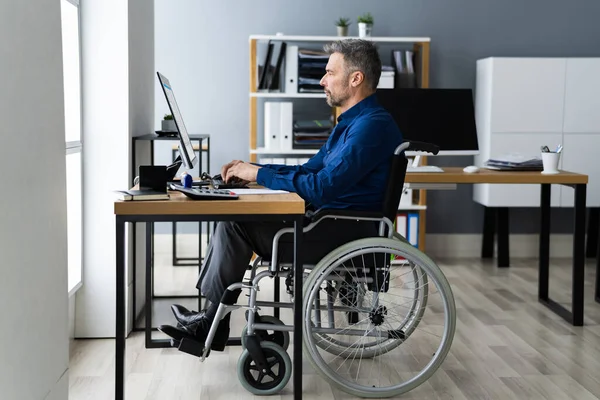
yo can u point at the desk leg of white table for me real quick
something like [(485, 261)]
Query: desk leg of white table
[(298, 317), (120, 312)]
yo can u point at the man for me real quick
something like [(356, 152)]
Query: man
[(349, 172)]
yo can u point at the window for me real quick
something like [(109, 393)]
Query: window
[(73, 146)]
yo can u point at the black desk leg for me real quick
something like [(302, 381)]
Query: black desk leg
[(544, 254), (592, 233), (208, 154), (598, 272), (503, 248), (149, 285), (575, 316), (489, 231), (120, 313), (298, 317), (579, 254)]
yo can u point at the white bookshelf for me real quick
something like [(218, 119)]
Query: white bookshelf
[(420, 46)]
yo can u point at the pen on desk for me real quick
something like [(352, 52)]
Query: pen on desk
[(559, 148), (545, 149)]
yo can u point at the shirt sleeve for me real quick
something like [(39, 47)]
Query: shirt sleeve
[(314, 164), (365, 142)]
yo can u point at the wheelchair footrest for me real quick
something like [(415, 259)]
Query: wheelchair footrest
[(191, 347)]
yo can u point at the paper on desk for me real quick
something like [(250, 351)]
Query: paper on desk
[(258, 191)]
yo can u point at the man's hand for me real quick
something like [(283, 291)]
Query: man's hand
[(226, 167), (244, 171)]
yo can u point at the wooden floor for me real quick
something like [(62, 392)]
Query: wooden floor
[(507, 345)]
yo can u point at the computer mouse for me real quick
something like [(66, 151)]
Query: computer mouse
[(471, 169)]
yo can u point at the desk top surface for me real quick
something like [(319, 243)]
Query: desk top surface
[(457, 175), (179, 204)]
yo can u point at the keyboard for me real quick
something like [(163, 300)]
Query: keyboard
[(424, 168), (205, 193), (218, 183)]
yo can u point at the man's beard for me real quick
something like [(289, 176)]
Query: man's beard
[(337, 101)]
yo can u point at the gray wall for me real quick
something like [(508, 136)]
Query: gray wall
[(202, 46), (33, 209)]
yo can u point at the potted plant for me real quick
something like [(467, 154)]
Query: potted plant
[(168, 124), (342, 26), (365, 25)]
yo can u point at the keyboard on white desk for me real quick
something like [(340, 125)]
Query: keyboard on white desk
[(424, 168)]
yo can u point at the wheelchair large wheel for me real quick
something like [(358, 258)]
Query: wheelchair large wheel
[(352, 295), (405, 325)]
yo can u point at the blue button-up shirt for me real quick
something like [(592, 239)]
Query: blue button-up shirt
[(351, 170)]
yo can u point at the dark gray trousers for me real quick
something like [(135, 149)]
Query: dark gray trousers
[(232, 244)]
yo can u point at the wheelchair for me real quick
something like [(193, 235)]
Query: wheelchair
[(378, 314)]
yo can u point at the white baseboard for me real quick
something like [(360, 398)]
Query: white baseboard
[(520, 245)]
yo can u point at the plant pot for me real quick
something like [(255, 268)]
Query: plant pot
[(168, 125), (342, 31), (364, 29)]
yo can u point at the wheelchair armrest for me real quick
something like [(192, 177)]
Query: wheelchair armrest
[(332, 213), (311, 220)]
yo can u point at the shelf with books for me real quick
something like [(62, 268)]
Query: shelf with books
[(275, 86)]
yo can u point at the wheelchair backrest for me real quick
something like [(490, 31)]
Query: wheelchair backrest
[(397, 176), (395, 185)]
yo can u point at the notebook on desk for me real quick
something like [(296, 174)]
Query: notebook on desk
[(142, 195)]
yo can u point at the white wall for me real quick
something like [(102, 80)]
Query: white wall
[(33, 221), (118, 62)]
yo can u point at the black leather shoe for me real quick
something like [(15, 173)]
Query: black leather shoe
[(187, 320), (200, 333)]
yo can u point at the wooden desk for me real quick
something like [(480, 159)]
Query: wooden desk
[(457, 175), (179, 204), (579, 182), (289, 207)]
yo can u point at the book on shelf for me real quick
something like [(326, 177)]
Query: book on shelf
[(141, 195)]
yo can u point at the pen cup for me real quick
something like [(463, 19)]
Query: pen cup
[(550, 162)]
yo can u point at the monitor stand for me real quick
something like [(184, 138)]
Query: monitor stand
[(415, 167)]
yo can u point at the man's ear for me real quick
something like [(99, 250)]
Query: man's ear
[(356, 78)]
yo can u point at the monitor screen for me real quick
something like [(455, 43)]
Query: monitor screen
[(186, 149), (445, 117)]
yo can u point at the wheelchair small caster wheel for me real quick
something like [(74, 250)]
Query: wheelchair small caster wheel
[(266, 382), (282, 338)]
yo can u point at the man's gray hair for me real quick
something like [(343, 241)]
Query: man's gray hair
[(359, 55)]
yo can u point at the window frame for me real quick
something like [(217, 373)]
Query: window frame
[(73, 147)]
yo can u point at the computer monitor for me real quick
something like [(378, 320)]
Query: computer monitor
[(186, 149), (445, 117)]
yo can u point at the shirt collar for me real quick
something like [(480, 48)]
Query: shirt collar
[(355, 110)]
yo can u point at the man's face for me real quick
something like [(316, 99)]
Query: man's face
[(336, 82)]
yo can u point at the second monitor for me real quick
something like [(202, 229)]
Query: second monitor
[(445, 117)]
